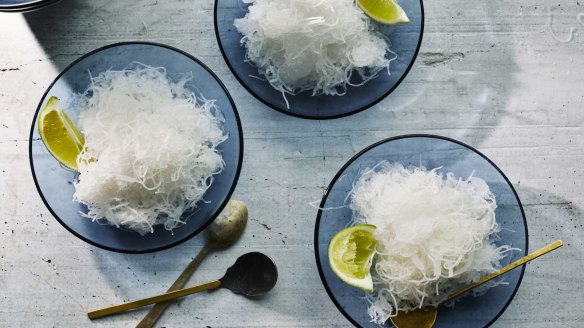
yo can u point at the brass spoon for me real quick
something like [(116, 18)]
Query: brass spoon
[(253, 274), (425, 318), (222, 232)]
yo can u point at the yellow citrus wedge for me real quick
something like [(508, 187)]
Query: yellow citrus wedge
[(59, 135), (384, 11), (350, 255)]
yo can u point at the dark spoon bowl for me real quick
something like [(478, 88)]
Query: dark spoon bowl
[(253, 274)]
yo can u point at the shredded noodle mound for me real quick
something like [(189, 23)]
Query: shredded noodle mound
[(435, 234), (150, 148), (316, 45)]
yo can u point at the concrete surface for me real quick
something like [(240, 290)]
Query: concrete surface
[(504, 76)]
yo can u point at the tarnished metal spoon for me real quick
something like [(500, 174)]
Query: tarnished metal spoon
[(222, 232), (426, 317), (253, 274)]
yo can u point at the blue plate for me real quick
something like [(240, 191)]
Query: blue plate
[(23, 5), (431, 152), (55, 184), (405, 42)]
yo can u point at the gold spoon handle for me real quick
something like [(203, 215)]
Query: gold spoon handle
[(155, 313), (521, 261), (154, 299)]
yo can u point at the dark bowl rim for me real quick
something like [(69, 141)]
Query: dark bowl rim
[(325, 117), (211, 218), (26, 7), (350, 161)]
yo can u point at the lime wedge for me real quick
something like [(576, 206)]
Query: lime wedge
[(59, 134), (350, 255), (384, 11)]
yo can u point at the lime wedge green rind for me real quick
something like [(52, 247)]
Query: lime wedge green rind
[(60, 136), (350, 255), (386, 12)]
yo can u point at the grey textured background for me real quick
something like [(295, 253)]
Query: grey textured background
[(503, 76)]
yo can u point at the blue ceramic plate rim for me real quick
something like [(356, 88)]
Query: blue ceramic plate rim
[(211, 218), (29, 5), (324, 117), (359, 154)]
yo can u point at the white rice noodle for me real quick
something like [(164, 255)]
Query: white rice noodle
[(150, 148), (436, 234), (315, 45)]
